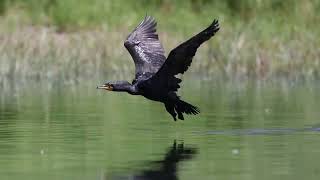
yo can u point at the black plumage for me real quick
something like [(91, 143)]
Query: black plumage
[(155, 74)]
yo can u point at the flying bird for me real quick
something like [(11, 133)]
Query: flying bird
[(155, 75)]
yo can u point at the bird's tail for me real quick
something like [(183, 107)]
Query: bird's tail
[(184, 107)]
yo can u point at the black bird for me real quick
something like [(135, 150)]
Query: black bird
[(155, 74)]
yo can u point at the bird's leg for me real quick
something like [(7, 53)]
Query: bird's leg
[(175, 99), (178, 110), (170, 109)]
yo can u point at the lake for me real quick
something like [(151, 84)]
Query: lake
[(251, 130)]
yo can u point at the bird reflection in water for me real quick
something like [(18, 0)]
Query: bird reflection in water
[(165, 169)]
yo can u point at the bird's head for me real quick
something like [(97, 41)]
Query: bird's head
[(115, 86), (107, 86)]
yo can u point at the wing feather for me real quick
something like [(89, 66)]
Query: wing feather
[(180, 59), (145, 48)]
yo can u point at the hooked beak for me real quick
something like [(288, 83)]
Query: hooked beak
[(105, 87)]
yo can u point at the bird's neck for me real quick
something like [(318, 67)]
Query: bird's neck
[(131, 89)]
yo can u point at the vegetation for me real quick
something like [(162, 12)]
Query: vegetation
[(75, 39)]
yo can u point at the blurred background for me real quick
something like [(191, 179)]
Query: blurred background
[(256, 83), (75, 39)]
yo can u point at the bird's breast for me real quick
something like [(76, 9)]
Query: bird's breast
[(155, 94)]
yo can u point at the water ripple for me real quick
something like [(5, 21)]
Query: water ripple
[(257, 131)]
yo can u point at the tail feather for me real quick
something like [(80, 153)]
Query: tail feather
[(184, 107), (178, 107)]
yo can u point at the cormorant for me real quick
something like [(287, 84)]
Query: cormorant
[(154, 73)]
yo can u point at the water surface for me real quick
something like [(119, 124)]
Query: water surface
[(245, 131)]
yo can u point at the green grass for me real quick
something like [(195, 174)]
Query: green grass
[(75, 39), (75, 14)]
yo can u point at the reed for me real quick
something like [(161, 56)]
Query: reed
[(71, 40)]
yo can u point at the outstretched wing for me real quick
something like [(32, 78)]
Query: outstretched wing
[(145, 48), (180, 59)]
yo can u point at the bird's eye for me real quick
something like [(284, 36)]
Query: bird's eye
[(109, 86)]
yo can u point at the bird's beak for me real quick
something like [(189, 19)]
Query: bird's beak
[(105, 87)]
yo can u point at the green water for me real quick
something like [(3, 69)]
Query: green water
[(245, 131)]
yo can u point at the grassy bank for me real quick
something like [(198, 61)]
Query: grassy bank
[(73, 40)]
